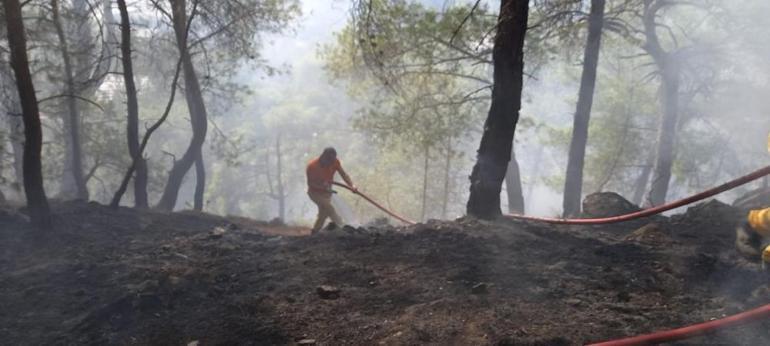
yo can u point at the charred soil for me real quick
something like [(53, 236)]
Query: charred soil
[(140, 277)]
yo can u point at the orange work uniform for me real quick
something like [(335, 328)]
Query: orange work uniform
[(319, 182)]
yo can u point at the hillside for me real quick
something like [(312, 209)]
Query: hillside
[(128, 277)]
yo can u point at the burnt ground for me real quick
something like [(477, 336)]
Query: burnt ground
[(127, 277)]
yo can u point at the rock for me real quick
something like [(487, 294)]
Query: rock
[(606, 204), (712, 213), (378, 222), (480, 288), (328, 292), (193, 343), (306, 342), (217, 233), (756, 199), (651, 233), (573, 301)]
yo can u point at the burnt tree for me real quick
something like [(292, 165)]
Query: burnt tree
[(573, 184), (195, 105), (669, 69), (200, 183), (132, 105), (33, 134), (494, 152)]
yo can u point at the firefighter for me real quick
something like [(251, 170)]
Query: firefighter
[(320, 175), (752, 238)]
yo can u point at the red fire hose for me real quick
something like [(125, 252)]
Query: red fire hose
[(662, 336), (694, 330), (656, 210), (368, 199)]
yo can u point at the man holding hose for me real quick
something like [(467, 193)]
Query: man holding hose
[(320, 175), (752, 238)]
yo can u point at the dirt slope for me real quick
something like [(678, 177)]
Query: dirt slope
[(128, 277)]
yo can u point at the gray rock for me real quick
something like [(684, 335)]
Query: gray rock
[(328, 292)]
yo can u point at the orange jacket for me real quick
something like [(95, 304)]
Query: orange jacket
[(319, 178)]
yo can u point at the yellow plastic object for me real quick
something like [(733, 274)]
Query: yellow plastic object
[(766, 257), (760, 221)]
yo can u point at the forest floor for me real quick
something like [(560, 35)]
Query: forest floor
[(127, 277)]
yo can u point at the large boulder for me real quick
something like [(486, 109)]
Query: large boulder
[(755, 199), (607, 204)]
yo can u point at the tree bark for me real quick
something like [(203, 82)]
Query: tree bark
[(280, 187), (669, 69), (494, 152), (115, 203), (640, 186), (132, 105), (195, 105), (573, 184), (33, 173), (425, 168), (15, 123), (513, 186), (200, 183), (72, 128), (664, 157), (447, 171)]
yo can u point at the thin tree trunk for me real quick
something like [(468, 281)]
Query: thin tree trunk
[(132, 105), (664, 153), (200, 183), (73, 119), (33, 134), (640, 186), (115, 203), (513, 186), (195, 105), (494, 152), (573, 184), (279, 173), (17, 144), (2, 160), (15, 123), (447, 171), (668, 65), (425, 168)]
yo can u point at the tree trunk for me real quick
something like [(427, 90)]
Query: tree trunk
[(72, 123), (15, 123), (668, 65), (664, 153), (573, 184), (279, 174), (2, 160), (115, 203), (200, 183), (33, 134), (195, 105), (425, 167), (494, 152), (447, 171), (132, 105), (640, 186), (513, 186)]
